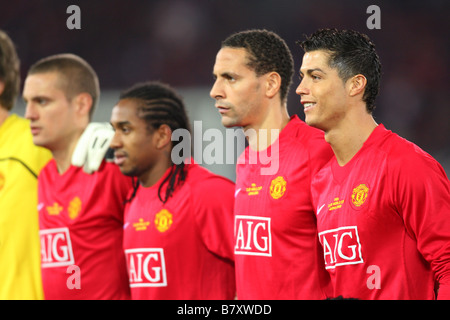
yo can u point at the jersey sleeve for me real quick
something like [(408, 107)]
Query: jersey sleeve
[(213, 205), (421, 193)]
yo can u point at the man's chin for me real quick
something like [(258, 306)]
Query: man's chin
[(229, 123), (128, 172)]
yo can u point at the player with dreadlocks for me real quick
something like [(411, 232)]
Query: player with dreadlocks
[(178, 225)]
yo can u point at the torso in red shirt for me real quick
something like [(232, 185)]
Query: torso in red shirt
[(182, 249), (384, 221), (276, 248), (81, 229)]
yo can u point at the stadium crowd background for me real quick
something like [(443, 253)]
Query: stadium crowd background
[(176, 41)]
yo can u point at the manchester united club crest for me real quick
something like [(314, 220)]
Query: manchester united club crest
[(74, 208), (278, 187), (359, 195), (163, 220)]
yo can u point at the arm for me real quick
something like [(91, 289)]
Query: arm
[(422, 196), (214, 205)]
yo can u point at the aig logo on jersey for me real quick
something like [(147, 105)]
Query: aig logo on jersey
[(341, 246), (146, 267), (252, 236), (56, 248)]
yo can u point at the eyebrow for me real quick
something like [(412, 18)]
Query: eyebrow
[(121, 123), (309, 71), (225, 74), (35, 98)]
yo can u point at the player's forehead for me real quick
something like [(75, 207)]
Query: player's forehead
[(38, 84), (126, 111), (230, 59), (317, 59)]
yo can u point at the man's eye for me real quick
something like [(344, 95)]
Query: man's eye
[(230, 78)]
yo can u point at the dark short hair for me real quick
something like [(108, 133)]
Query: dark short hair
[(9, 71), (77, 76), (267, 52), (351, 53)]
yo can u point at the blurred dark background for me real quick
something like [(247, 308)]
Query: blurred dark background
[(176, 41)]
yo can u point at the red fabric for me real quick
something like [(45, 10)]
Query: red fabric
[(276, 245), (384, 221), (182, 249), (81, 225)]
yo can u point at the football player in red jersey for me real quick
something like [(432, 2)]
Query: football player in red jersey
[(80, 214), (383, 204), (277, 252), (178, 231)]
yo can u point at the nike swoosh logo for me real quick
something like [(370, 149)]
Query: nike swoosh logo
[(40, 206), (318, 210), (236, 192)]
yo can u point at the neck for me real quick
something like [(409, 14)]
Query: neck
[(349, 137), (152, 176), (63, 153), (260, 136)]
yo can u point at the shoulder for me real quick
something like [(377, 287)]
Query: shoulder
[(308, 144), (311, 139), (201, 179), (409, 169), (404, 155), (111, 170)]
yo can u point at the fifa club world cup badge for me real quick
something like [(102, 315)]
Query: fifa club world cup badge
[(359, 195), (278, 187)]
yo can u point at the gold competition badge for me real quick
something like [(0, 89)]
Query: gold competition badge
[(54, 210), (163, 220), (141, 225), (277, 187), (359, 195)]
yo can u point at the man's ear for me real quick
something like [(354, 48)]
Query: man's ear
[(163, 136), (357, 85), (273, 84), (83, 103)]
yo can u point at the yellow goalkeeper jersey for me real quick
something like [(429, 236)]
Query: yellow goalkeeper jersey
[(20, 163)]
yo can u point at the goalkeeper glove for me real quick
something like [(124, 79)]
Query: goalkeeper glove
[(92, 147)]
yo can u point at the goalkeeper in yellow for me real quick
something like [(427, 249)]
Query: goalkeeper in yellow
[(20, 163)]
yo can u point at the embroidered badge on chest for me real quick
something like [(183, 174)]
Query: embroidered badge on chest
[(359, 195), (163, 220), (278, 187), (74, 208)]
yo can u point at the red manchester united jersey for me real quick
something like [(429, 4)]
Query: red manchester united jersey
[(384, 221), (182, 249), (81, 229), (277, 252)]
